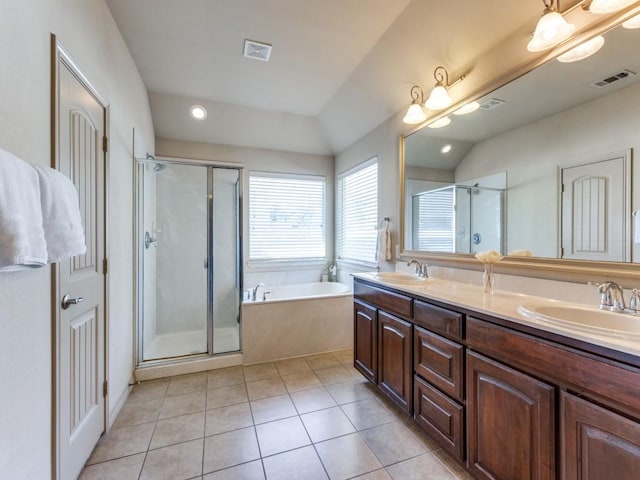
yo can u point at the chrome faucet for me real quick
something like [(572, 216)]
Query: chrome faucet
[(421, 268), (611, 296), (255, 291)]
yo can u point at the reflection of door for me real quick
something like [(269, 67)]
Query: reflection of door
[(595, 222), (79, 329)]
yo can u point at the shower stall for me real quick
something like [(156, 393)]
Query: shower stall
[(188, 238)]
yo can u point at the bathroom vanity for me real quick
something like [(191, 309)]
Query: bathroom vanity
[(508, 396)]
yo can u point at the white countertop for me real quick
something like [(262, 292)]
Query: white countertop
[(505, 305)]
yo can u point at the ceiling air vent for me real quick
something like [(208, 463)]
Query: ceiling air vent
[(605, 82), (257, 50), (491, 103)]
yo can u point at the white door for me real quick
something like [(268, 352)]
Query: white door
[(594, 217), (80, 329)]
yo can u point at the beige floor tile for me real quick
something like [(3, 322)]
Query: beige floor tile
[(452, 465), (404, 445), (301, 381), (346, 457), (224, 396), (345, 357), (230, 449), (148, 390), (246, 471), (302, 463), (292, 365), (175, 462), (281, 435), (326, 424), (375, 475), (311, 400), (183, 384), (178, 429), (225, 419), (260, 371), (329, 376), (270, 387), (272, 408), (225, 377), (120, 442), (323, 360), (428, 442), (138, 412), (126, 468), (368, 413), (351, 392), (183, 404), (424, 467)]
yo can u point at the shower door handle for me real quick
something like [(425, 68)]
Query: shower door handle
[(206, 263)]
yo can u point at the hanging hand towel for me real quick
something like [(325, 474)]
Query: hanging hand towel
[(60, 214), (22, 242), (383, 245)]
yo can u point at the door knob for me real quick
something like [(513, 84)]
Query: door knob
[(68, 301)]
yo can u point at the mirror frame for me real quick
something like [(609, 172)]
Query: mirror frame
[(538, 267)]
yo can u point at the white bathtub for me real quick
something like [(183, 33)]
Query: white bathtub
[(297, 320)]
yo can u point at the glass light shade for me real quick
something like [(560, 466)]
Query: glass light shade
[(583, 50), (414, 115), (633, 22), (608, 6), (438, 99), (441, 122), (552, 29), (467, 108)]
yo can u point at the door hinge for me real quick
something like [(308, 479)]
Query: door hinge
[(104, 266), (562, 189), (105, 388), (105, 144), (561, 252)]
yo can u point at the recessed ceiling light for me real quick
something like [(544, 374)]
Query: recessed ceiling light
[(441, 122), (446, 148), (198, 112)]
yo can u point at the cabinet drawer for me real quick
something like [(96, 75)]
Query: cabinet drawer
[(440, 361), (440, 417), (385, 300), (441, 320)]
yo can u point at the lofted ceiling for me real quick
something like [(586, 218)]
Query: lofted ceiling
[(338, 69)]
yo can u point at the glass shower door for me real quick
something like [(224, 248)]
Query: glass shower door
[(175, 260)]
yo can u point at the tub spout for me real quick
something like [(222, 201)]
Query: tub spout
[(255, 291)]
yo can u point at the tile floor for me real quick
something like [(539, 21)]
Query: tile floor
[(306, 418)]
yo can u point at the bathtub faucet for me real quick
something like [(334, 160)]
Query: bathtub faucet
[(255, 291)]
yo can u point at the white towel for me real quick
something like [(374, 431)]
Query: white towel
[(22, 242), (383, 245), (60, 214)]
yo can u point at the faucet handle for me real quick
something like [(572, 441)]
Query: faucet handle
[(634, 301), (605, 293)]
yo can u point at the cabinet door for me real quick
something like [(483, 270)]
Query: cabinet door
[(395, 360), (510, 422), (365, 357), (597, 443)]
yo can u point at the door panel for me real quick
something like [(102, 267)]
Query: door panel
[(80, 332)]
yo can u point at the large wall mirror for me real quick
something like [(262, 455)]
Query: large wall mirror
[(548, 164)]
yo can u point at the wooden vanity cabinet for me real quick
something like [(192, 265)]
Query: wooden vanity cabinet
[(395, 360), (365, 340), (510, 422), (597, 443)]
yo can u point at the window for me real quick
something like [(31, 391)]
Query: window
[(434, 216), (286, 217), (357, 213)]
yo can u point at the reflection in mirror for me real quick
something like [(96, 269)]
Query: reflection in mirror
[(560, 138)]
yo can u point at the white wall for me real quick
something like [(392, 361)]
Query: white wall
[(85, 28), (255, 159), (532, 155)]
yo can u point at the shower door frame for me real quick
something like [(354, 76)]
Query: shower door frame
[(139, 254)]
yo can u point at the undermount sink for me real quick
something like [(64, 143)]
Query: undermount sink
[(585, 319), (399, 277)]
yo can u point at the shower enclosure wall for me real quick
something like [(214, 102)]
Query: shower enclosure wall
[(188, 247)]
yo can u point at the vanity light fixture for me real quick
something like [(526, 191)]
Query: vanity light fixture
[(608, 6), (439, 98), (633, 22), (467, 108), (198, 112), (551, 29), (446, 148), (583, 50), (415, 113), (441, 122)]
